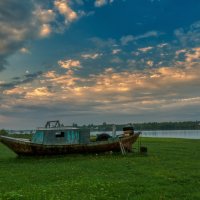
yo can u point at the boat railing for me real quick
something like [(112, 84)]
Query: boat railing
[(58, 128)]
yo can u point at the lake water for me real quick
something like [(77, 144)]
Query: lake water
[(187, 134)]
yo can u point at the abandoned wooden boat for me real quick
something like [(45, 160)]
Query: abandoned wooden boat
[(56, 139)]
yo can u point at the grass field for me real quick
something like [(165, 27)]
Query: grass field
[(171, 170)]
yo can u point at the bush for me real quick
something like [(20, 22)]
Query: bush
[(3, 132)]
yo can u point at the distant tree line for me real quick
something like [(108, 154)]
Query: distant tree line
[(188, 125)]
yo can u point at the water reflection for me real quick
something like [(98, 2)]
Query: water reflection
[(187, 134)]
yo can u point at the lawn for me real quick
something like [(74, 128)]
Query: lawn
[(170, 170)]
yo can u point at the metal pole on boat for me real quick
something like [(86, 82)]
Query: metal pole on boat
[(123, 151)]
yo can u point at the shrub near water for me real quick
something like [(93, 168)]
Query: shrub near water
[(169, 171), (3, 132)]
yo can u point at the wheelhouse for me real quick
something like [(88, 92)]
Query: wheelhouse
[(56, 134)]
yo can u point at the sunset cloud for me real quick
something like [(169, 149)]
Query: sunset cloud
[(194, 55), (112, 87), (69, 64), (178, 52), (45, 30), (150, 63), (39, 92), (64, 9), (130, 91), (45, 15), (14, 91)]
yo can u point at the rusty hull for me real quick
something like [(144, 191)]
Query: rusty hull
[(24, 147)]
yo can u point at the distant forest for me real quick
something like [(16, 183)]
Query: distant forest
[(189, 125)]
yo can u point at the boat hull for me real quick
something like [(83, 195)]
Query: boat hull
[(26, 148)]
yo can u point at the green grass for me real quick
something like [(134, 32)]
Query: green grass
[(171, 170)]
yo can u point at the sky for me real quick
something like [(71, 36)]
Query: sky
[(95, 61)]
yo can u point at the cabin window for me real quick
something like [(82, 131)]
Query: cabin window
[(59, 134)]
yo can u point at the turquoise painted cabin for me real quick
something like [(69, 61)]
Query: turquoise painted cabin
[(61, 135)]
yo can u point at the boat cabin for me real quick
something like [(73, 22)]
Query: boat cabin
[(56, 134)]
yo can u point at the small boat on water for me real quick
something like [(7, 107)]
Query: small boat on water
[(56, 139)]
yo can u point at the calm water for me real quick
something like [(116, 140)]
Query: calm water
[(188, 134)]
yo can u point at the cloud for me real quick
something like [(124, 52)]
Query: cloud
[(116, 51), (91, 56), (150, 63), (45, 30), (39, 92), (27, 78), (178, 52), (145, 49), (65, 81), (100, 43), (45, 15), (64, 9), (111, 83), (148, 34), (162, 45), (193, 56), (24, 50), (112, 92), (23, 21), (17, 90), (126, 39), (129, 38), (100, 3), (69, 64), (189, 36), (17, 26)]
